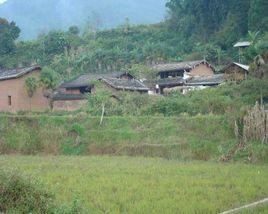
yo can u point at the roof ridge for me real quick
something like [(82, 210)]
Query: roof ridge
[(17, 72)]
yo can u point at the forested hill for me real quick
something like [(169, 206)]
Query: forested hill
[(39, 16), (220, 21), (194, 29)]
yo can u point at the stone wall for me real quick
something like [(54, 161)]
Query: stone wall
[(68, 105)]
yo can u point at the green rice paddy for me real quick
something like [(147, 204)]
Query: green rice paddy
[(103, 184)]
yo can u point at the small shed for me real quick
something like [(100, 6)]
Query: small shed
[(236, 72), (179, 69)]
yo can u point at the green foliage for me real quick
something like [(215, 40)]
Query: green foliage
[(9, 32), (125, 103), (223, 21), (55, 43), (97, 101), (258, 19), (74, 30), (194, 30), (49, 78), (229, 98), (23, 195), (142, 72), (146, 185), (31, 85), (78, 129), (259, 47), (201, 137)]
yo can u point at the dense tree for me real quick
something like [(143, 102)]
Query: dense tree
[(197, 17), (196, 29), (74, 30), (55, 43), (223, 21), (9, 32), (258, 15), (49, 78)]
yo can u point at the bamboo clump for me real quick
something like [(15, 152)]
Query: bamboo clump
[(256, 124)]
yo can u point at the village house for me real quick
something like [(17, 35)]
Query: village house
[(72, 95), (236, 72), (13, 93), (84, 83), (173, 76), (182, 69)]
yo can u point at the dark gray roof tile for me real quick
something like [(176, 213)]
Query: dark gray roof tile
[(124, 84), (86, 79), (179, 66), (17, 72), (208, 80)]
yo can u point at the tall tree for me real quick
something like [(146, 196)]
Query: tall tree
[(198, 17), (203, 19), (49, 78), (31, 85), (258, 15), (9, 32), (55, 43)]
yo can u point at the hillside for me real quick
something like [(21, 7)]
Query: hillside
[(38, 16)]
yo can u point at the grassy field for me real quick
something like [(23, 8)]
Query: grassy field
[(203, 137), (145, 185)]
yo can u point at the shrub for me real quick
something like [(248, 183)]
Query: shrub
[(23, 195), (20, 194), (78, 129)]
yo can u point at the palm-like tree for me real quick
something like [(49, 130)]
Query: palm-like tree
[(31, 85)]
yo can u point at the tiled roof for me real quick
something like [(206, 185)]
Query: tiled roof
[(179, 66), (245, 67), (209, 80), (124, 84), (17, 72), (167, 82), (86, 79), (81, 81)]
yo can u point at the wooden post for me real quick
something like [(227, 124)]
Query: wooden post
[(102, 114)]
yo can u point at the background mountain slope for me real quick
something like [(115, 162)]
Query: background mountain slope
[(37, 16)]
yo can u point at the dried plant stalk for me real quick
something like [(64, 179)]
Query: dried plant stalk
[(256, 124)]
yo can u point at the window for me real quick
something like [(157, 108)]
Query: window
[(9, 100)]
